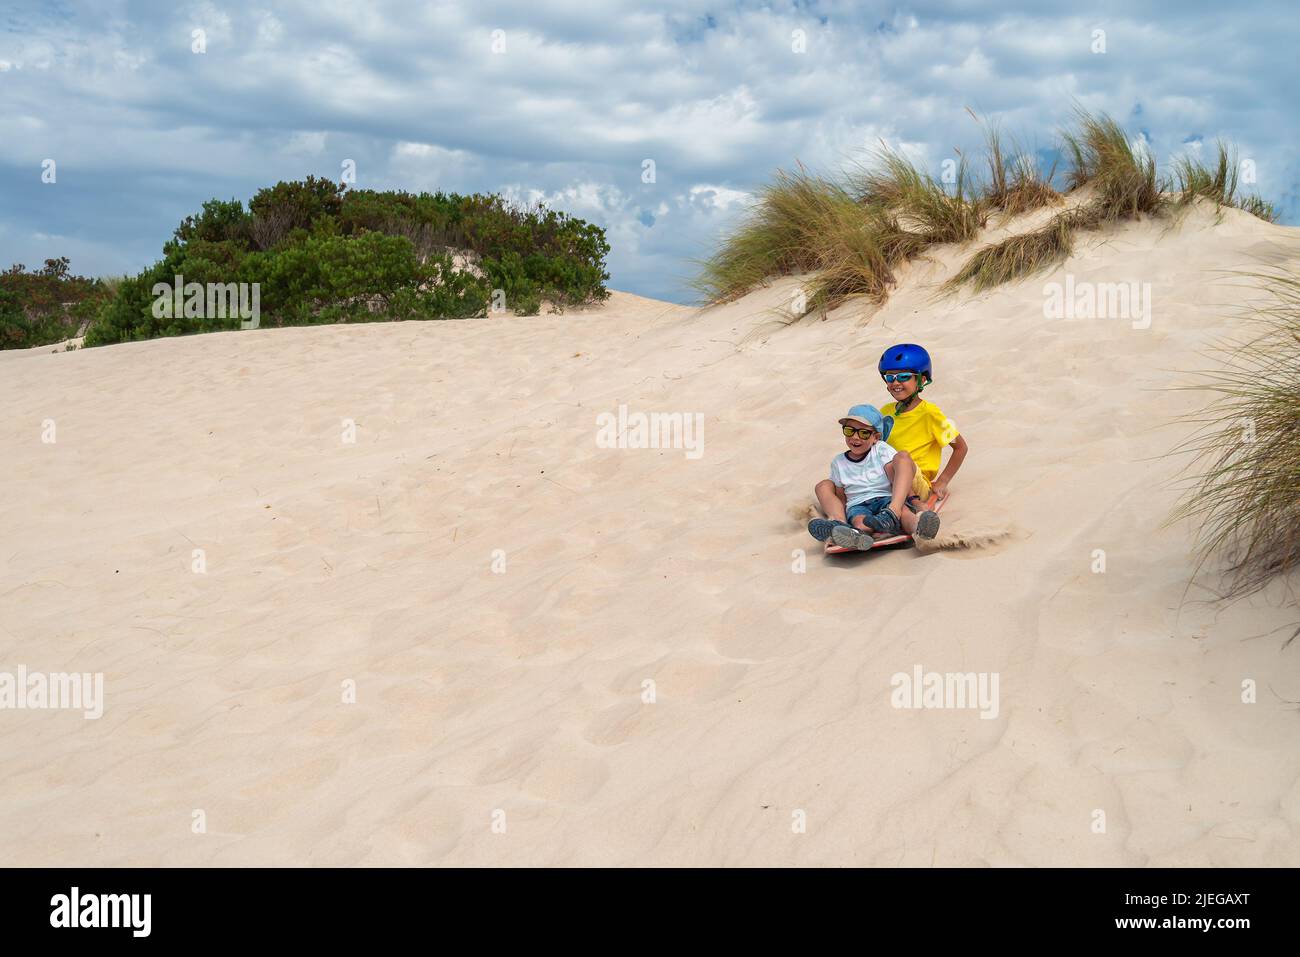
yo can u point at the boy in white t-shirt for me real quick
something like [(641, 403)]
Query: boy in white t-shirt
[(870, 482)]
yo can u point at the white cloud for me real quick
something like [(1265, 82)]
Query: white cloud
[(269, 29), (568, 113), (210, 18), (718, 197), (304, 141)]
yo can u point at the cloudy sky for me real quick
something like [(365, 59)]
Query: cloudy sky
[(569, 99)]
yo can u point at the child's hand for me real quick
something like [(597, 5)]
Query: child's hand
[(939, 487)]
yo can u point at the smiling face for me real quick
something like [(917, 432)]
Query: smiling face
[(857, 445), (902, 391)]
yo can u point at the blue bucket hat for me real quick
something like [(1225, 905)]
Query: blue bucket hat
[(871, 416)]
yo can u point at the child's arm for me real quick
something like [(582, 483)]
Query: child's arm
[(959, 449)]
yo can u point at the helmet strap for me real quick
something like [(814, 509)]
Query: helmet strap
[(915, 397)]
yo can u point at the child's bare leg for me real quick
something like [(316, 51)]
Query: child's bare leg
[(901, 487), (831, 499)]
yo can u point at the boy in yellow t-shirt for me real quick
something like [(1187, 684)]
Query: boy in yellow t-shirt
[(920, 427)]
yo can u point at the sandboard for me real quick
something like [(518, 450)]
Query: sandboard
[(935, 504)]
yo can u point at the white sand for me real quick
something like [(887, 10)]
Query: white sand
[(521, 691)]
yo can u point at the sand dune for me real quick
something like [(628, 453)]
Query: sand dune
[(500, 588)]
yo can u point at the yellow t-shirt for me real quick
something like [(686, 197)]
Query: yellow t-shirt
[(922, 433)]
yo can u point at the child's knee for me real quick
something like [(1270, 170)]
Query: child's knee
[(825, 485)]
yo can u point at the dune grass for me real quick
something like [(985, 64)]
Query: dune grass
[(1246, 495), (1015, 184), (894, 185), (1023, 254), (805, 223), (1124, 185), (1259, 207), (1192, 180), (857, 258), (1122, 175), (850, 234), (777, 237), (854, 233)]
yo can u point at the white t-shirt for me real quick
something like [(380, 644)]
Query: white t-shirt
[(867, 479)]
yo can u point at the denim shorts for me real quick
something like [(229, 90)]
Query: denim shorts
[(871, 506)]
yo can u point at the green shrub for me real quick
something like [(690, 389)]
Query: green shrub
[(18, 330), (523, 249), (219, 221), (526, 303), (45, 306), (432, 221), (300, 203), (129, 314), (329, 271), (320, 253)]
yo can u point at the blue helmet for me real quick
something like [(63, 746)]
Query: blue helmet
[(909, 357)]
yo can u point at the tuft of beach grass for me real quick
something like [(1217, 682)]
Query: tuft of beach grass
[(1193, 180), (853, 234), (1015, 184), (1245, 496)]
